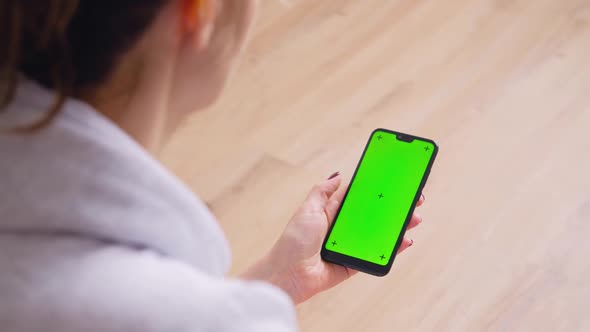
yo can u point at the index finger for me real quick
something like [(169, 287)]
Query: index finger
[(421, 200)]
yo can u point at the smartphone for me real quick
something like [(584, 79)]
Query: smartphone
[(375, 212)]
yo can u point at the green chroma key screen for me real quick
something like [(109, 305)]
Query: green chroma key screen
[(380, 197)]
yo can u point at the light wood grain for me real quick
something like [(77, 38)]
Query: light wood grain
[(503, 86)]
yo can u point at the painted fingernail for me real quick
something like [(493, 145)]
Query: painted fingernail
[(411, 242), (334, 175)]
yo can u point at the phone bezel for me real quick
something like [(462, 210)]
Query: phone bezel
[(362, 265)]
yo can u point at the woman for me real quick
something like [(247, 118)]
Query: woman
[(95, 234)]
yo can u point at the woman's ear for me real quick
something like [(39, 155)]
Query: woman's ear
[(198, 19)]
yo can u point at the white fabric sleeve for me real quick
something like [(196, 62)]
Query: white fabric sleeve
[(112, 289)]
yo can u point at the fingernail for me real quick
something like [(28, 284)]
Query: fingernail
[(411, 242), (334, 175), (423, 198)]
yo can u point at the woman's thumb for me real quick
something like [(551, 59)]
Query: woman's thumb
[(320, 193)]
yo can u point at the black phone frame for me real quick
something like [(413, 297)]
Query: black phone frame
[(362, 265)]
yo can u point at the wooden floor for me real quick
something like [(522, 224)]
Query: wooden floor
[(503, 86)]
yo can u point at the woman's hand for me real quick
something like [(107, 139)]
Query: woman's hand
[(294, 263)]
